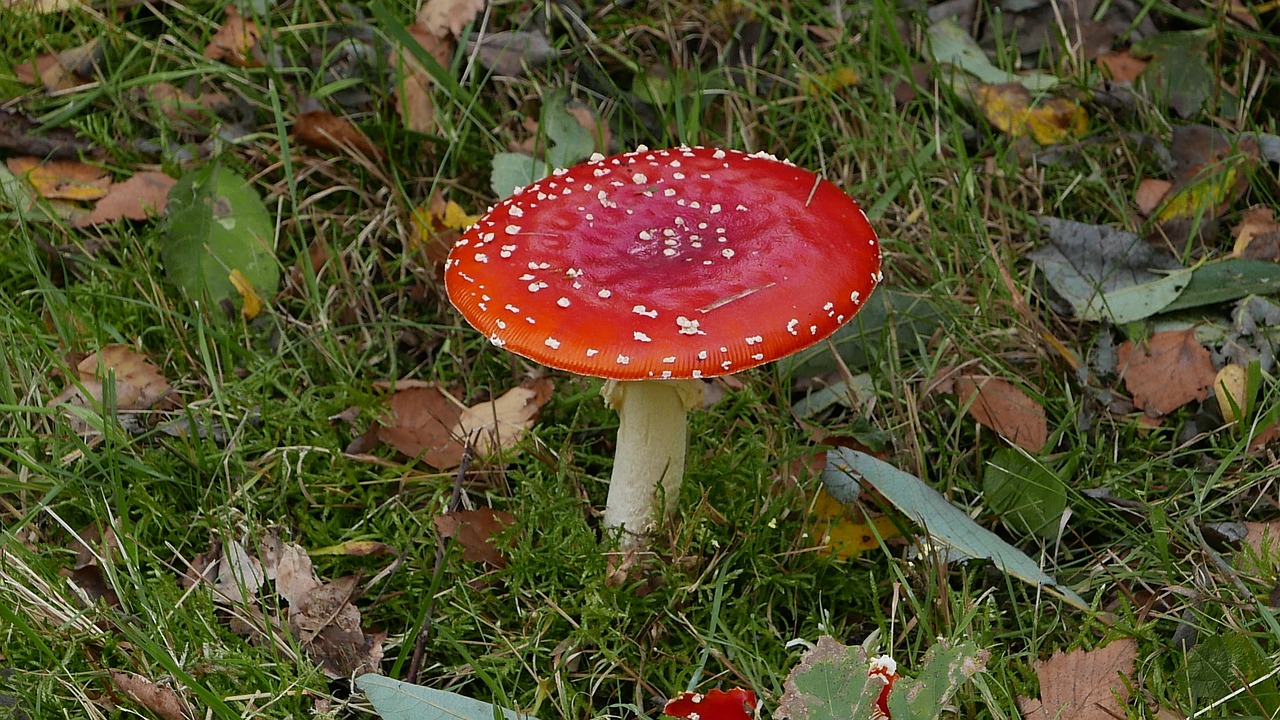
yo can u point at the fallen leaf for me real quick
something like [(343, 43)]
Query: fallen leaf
[(1011, 109), (251, 303), (23, 135), (1001, 406), (357, 548), (1231, 387), (62, 179), (414, 100), (1083, 685), (828, 82), (511, 52), (138, 385), (40, 7), (500, 423), (239, 575), (161, 700), (448, 17), (323, 130), (1149, 194), (436, 227), (70, 68), (328, 626), (1178, 72), (421, 423), (1257, 236), (1120, 66), (1170, 370), (475, 530), (236, 42), (142, 196)]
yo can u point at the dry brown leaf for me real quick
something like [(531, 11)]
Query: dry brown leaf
[(1170, 370), (420, 426), (142, 196), (1149, 194), (41, 7), (448, 17), (236, 42), (1120, 66), (162, 700), (138, 384), (474, 530), (323, 130), (1001, 406), (1083, 685), (500, 423), (70, 68), (62, 179), (1257, 235), (413, 96), (328, 626)]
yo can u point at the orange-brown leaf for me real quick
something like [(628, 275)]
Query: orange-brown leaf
[(62, 179), (1001, 406), (1170, 370), (1083, 685), (141, 196), (323, 130), (474, 530), (236, 42), (421, 423)]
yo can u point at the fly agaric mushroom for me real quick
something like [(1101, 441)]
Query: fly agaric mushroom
[(655, 269), (731, 704), (885, 667)]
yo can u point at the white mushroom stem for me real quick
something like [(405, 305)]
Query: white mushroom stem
[(649, 465)]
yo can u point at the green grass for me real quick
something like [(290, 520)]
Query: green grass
[(735, 577)]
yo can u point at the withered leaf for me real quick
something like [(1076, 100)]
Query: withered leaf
[(474, 530), (162, 700), (421, 423), (1001, 406), (1168, 371), (142, 196), (1083, 685), (323, 130)]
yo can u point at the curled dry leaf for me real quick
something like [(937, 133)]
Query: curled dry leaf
[(161, 700), (500, 423), (475, 530), (142, 196), (138, 384), (420, 426), (236, 42), (62, 179), (1001, 406), (1083, 685), (323, 130), (1257, 235), (1168, 371), (448, 17)]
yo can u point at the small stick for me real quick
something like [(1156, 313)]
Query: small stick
[(455, 501)]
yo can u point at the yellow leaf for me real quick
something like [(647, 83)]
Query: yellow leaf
[(1200, 197), (252, 303), (455, 218), (62, 179), (850, 539), (1231, 388), (837, 79), (1010, 109)]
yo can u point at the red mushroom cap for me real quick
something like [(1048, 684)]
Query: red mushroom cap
[(679, 263), (731, 704)]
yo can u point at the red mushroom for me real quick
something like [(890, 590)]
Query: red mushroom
[(655, 269), (731, 704), (885, 667)]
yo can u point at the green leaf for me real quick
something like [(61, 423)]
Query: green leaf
[(860, 341), (570, 142), (216, 224), (1219, 282), (1221, 664), (946, 523), (830, 683), (512, 171), (944, 669), (952, 44), (1026, 491), (1178, 70), (395, 700)]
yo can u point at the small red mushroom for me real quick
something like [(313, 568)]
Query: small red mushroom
[(732, 704), (885, 667), (656, 269)]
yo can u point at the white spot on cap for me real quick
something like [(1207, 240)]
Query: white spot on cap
[(639, 179), (595, 157), (715, 208), (563, 302), (697, 374), (604, 293), (623, 359), (482, 258), (516, 211), (497, 341), (702, 355), (552, 343), (513, 229), (642, 310), (592, 352), (688, 327), (511, 307), (641, 337), (754, 339), (669, 360), (791, 326)]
